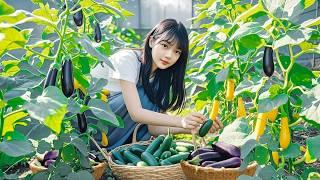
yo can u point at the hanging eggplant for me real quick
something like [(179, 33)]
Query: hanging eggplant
[(78, 17), (51, 77), (82, 122), (97, 33), (67, 78), (268, 64)]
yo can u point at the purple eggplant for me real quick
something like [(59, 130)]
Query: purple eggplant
[(49, 162), (233, 162), (51, 155), (226, 149), (200, 151), (211, 156), (205, 163)]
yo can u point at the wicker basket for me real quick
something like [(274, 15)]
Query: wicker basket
[(98, 169), (193, 172), (173, 172)]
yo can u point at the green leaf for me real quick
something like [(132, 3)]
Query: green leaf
[(102, 110), (10, 39), (16, 148), (46, 12), (308, 3), (247, 147), (7, 21), (311, 22), (235, 132), (249, 12), (261, 155), (49, 108), (87, 44), (222, 75), (97, 85), (292, 151), (311, 104), (300, 75), (286, 9), (293, 37), (247, 86), (267, 172), (249, 29), (267, 104), (10, 121), (252, 41), (80, 175), (81, 146), (43, 146), (313, 144), (5, 8)]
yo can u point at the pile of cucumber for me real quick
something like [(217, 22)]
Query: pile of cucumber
[(220, 155), (162, 151)]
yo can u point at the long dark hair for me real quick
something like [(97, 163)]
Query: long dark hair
[(167, 89)]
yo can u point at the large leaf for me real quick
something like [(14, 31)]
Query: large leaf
[(49, 108), (248, 29), (293, 37), (236, 132), (46, 12), (5, 8), (87, 44), (288, 9), (10, 39), (80, 145), (267, 104), (247, 86), (300, 75), (311, 104), (102, 110), (16, 148), (10, 121), (313, 144), (97, 85)]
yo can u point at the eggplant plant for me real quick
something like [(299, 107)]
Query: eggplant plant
[(245, 58), (45, 87)]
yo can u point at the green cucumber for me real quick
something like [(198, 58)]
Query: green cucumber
[(165, 163), (118, 156), (206, 126), (149, 159), (131, 157), (165, 155), (155, 144), (178, 157)]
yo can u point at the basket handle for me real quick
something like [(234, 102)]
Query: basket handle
[(135, 131)]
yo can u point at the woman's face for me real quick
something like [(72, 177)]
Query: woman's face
[(164, 54)]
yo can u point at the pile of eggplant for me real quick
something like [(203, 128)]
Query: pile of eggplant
[(220, 155), (49, 158)]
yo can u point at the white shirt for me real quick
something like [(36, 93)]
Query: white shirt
[(126, 65)]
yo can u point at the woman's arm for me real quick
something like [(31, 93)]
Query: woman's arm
[(144, 116), (157, 130)]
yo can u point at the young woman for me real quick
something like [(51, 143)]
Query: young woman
[(148, 82)]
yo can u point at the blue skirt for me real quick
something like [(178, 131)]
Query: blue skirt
[(119, 136)]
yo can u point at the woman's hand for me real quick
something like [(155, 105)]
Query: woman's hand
[(217, 124), (193, 120)]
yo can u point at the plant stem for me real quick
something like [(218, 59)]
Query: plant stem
[(1, 122), (238, 61), (279, 61), (39, 54), (58, 55), (287, 71), (97, 145), (298, 161)]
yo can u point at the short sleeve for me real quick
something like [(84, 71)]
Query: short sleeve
[(126, 66)]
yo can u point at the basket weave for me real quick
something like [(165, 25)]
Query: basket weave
[(193, 172), (98, 169), (173, 172)]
